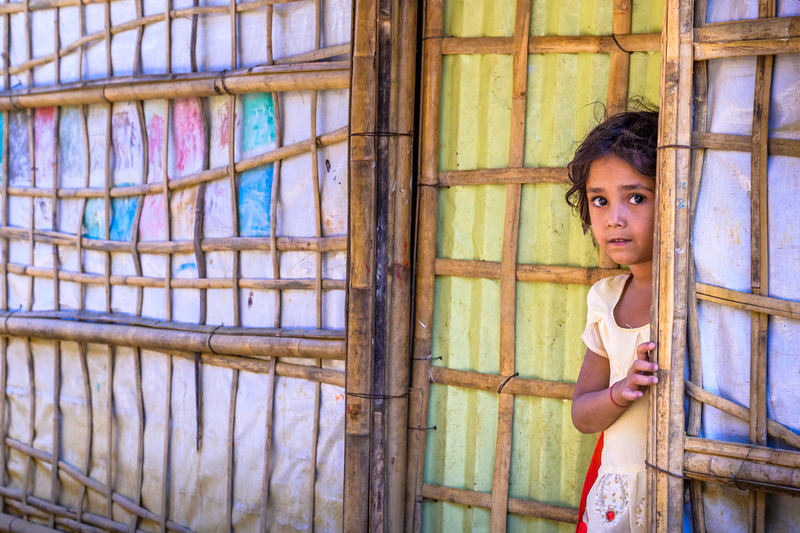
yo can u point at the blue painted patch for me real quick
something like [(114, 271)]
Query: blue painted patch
[(259, 121), (123, 211), (94, 219), (255, 190), (187, 266)]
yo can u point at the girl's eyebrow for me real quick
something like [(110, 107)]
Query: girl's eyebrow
[(635, 186)]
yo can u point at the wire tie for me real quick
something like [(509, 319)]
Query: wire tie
[(684, 146), (736, 481), (503, 384), (209, 349), (618, 45)]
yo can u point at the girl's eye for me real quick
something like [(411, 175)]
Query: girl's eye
[(637, 199), (599, 201)]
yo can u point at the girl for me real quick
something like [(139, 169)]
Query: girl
[(613, 190)]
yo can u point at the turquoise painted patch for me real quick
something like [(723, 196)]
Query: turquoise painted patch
[(255, 195), (259, 121), (123, 211)]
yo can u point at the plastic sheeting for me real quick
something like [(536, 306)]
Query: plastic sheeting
[(722, 256), (548, 457), (197, 479)]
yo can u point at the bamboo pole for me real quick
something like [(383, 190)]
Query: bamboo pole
[(758, 454), (399, 314), (735, 472), (525, 272), (553, 44), (695, 412), (743, 143), (515, 505), (315, 55), (4, 258), (496, 176), (670, 272), (759, 47), (747, 301), (432, 31), (491, 382), (362, 289), (167, 340), (761, 28), (320, 76)]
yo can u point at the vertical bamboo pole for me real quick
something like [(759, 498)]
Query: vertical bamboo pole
[(29, 304), (361, 261), (167, 272), (618, 75), (759, 245), (236, 316), (273, 229), (56, 296), (670, 276), (398, 345), (508, 267), (4, 257), (700, 123), (318, 282)]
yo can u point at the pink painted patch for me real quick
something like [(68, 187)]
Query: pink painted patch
[(155, 145), (152, 225), (221, 125), (127, 144), (44, 121), (189, 137), (339, 397)]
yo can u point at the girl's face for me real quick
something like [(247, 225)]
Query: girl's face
[(622, 210)]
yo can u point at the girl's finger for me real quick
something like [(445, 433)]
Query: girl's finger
[(641, 365), (642, 380), (642, 349), (631, 395)]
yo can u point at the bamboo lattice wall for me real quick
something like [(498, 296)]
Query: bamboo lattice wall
[(183, 274), (531, 256)]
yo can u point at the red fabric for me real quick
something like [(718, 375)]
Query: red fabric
[(591, 476)]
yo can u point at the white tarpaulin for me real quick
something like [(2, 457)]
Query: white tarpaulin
[(197, 495), (722, 258)]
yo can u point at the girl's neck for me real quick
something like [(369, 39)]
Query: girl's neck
[(642, 275)]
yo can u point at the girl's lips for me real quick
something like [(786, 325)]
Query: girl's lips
[(619, 242)]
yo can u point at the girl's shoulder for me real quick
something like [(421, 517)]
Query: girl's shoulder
[(604, 295)]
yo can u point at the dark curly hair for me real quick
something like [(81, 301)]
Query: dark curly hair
[(631, 136)]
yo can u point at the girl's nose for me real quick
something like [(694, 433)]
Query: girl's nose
[(616, 217)]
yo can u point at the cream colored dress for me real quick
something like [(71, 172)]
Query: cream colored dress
[(617, 498)]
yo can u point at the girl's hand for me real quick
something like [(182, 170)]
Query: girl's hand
[(631, 388)]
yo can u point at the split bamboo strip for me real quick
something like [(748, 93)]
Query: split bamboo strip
[(742, 143), (515, 505), (532, 273), (165, 464), (432, 30), (695, 412), (670, 267), (758, 47), (294, 244), (175, 283), (496, 176), (757, 454), (93, 485), (321, 76), (315, 55), (553, 44), (139, 24), (508, 268), (190, 180), (743, 30), (742, 413), (399, 315), (749, 301), (4, 251), (263, 525), (491, 382), (41, 5), (168, 340)]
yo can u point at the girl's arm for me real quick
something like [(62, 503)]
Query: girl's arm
[(592, 408)]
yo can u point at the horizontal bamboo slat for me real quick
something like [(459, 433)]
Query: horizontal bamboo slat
[(491, 382), (515, 505), (170, 340), (735, 472), (221, 244), (537, 273), (743, 143), (743, 30), (315, 55), (742, 413), (189, 180), (279, 78), (756, 47), (758, 454), (748, 301), (643, 42), (175, 283), (503, 176)]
